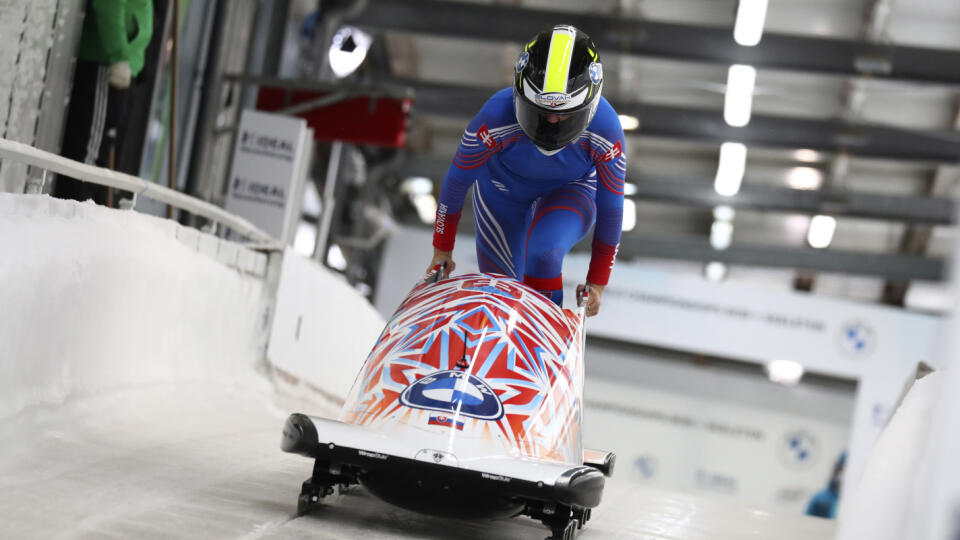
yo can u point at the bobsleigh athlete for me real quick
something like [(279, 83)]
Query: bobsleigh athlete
[(546, 161)]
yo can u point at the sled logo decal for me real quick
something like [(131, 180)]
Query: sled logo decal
[(453, 392)]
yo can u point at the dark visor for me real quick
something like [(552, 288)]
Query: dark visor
[(551, 130)]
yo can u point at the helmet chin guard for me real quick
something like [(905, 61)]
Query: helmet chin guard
[(557, 86)]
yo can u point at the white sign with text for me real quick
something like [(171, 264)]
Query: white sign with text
[(269, 166)]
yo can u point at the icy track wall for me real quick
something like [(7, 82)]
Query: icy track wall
[(93, 299)]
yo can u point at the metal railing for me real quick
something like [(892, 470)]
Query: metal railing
[(47, 161)]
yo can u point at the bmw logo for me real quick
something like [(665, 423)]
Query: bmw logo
[(857, 339), (596, 72), (799, 449), (453, 393), (522, 61)]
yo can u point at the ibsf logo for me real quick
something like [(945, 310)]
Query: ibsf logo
[(485, 137), (613, 153), (553, 99), (453, 393)]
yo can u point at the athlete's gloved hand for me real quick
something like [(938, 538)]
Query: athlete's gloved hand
[(440, 257), (593, 299), (119, 75)]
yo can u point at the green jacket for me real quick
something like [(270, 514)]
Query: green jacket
[(117, 30)]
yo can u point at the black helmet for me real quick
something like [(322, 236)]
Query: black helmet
[(557, 86)]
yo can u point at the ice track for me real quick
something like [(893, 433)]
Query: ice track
[(130, 406), (201, 461)]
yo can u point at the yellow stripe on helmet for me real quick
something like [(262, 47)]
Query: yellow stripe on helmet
[(558, 61)]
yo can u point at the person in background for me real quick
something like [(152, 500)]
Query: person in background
[(824, 502), (546, 160), (113, 43)]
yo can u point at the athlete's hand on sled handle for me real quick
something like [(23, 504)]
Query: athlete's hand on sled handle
[(442, 257), (595, 292)]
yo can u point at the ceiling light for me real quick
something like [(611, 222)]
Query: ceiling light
[(804, 178), (629, 189), (733, 162), (749, 26), (785, 372), (739, 97), (721, 235), (715, 271), (348, 49), (821, 231), (724, 213), (628, 122), (629, 214)]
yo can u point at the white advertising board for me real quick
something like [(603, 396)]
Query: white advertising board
[(269, 166), (762, 457)]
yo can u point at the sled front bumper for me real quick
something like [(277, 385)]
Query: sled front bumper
[(521, 478)]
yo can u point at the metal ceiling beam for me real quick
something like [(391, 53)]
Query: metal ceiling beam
[(903, 267), (916, 239), (700, 193), (617, 34), (764, 130), (836, 202), (697, 249), (876, 16)]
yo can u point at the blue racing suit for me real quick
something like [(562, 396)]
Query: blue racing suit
[(531, 208)]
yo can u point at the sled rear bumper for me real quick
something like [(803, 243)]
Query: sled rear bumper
[(348, 445)]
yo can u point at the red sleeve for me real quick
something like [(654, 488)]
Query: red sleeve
[(445, 229), (601, 262)]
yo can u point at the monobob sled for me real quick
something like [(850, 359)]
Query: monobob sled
[(469, 406)]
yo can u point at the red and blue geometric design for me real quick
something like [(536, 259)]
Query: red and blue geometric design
[(484, 354)]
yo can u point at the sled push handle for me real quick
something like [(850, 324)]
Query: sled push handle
[(582, 296), (437, 273)]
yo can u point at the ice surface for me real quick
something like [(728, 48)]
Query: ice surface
[(203, 461), (134, 409)]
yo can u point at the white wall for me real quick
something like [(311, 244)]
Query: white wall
[(322, 332), (94, 299)]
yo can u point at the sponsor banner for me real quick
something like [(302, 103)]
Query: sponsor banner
[(269, 166), (747, 322), (678, 441)]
